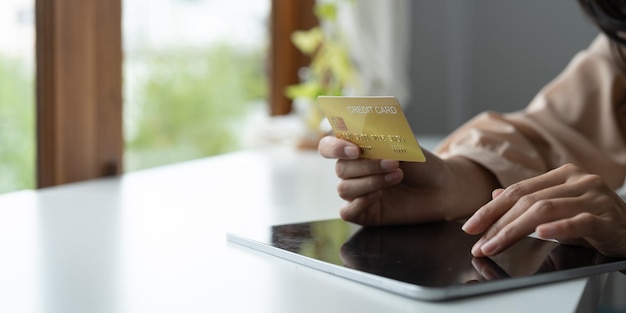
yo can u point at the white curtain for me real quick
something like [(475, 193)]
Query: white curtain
[(378, 35)]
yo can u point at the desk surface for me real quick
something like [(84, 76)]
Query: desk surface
[(154, 241)]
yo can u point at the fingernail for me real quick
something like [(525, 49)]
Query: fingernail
[(351, 151), (387, 165), (546, 232), (476, 248), (393, 177), (490, 247), (468, 225)]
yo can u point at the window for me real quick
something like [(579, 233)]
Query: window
[(193, 71), (79, 81), (17, 104)]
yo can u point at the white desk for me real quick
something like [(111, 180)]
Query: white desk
[(154, 241)]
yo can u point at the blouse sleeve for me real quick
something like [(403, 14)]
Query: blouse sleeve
[(577, 118)]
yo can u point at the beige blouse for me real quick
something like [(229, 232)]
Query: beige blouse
[(578, 118)]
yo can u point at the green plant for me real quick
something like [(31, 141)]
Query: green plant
[(331, 69)]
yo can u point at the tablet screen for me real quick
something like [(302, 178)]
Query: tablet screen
[(428, 261)]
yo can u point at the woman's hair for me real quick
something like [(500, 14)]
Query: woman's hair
[(609, 16)]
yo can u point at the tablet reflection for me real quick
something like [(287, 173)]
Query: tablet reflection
[(435, 255), (438, 254), (532, 256)]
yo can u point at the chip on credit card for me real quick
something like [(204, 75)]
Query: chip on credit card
[(376, 124)]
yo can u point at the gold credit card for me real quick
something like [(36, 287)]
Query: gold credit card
[(376, 124)]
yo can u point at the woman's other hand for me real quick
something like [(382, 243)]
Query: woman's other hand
[(566, 204)]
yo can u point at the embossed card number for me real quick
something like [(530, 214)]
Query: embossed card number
[(376, 124)]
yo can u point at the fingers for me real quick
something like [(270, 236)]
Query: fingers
[(356, 210), (506, 199), (503, 235), (581, 225), (362, 180), (359, 177), (334, 148), (369, 179), (364, 167), (519, 209), (587, 229)]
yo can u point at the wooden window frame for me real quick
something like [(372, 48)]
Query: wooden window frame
[(285, 60), (79, 90), (79, 63)]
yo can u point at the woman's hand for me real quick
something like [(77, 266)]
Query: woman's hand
[(383, 192), (565, 204)]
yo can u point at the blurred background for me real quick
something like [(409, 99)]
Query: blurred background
[(196, 78), (472, 56), (193, 72)]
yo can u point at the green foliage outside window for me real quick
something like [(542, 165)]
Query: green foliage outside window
[(190, 103), (186, 104), (17, 125)]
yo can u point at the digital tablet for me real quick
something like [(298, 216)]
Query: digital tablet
[(427, 261)]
